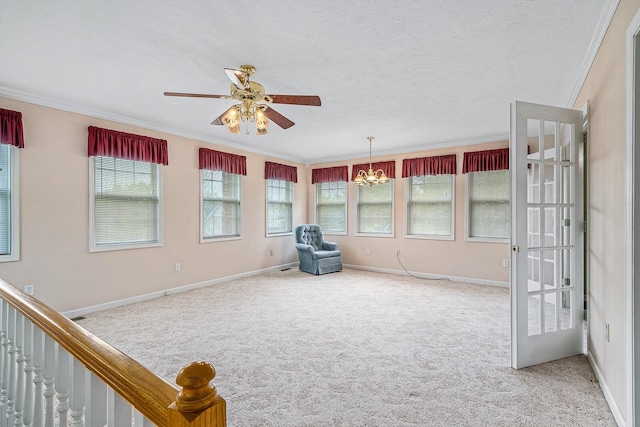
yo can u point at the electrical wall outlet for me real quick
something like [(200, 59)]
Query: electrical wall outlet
[(505, 263), (178, 267), (366, 252), (271, 252), (607, 332), (29, 289)]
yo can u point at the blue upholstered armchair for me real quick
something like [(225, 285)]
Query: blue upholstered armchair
[(316, 255)]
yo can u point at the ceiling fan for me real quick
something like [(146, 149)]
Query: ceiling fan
[(253, 106)]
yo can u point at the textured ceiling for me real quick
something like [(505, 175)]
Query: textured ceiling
[(414, 74)]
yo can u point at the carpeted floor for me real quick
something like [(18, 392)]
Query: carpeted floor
[(355, 348)]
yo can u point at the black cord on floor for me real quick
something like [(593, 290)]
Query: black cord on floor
[(418, 277)]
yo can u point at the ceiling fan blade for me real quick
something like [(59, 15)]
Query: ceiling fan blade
[(218, 120), (278, 118), (296, 99), (196, 95), (239, 78)]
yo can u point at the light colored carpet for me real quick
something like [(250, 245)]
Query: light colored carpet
[(355, 348)]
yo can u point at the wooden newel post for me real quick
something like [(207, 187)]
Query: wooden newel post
[(197, 403)]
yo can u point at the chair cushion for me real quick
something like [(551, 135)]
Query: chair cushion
[(325, 254)]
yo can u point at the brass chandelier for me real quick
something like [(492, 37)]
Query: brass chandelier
[(370, 177)]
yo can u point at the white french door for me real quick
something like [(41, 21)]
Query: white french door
[(547, 221)]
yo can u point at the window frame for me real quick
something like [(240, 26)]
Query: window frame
[(468, 218), (14, 208), (345, 203), (392, 219), (268, 202), (124, 246), (227, 237), (452, 204)]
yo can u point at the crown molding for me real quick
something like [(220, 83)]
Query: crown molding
[(594, 46)]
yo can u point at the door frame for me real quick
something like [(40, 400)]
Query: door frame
[(632, 273)]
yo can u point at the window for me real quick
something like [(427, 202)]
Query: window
[(279, 206), (220, 204), (331, 206), (375, 209), (125, 203), (488, 214), (430, 206), (9, 248)]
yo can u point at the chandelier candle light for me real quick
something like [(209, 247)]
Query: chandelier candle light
[(371, 177)]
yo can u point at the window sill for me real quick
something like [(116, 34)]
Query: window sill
[(374, 235), (219, 239), (122, 247), (286, 233), (429, 237), (486, 240)]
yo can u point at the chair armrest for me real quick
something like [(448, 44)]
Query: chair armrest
[(303, 247), (329, 246)]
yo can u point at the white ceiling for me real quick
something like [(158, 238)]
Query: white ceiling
[(415, 74)]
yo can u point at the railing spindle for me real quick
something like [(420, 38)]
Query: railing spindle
[(11, 386), (96, 411), (119, 411), (77, 393), (62, 386), (38, 396), (27, 412), (20, 360), (5, 363), (49, 378)]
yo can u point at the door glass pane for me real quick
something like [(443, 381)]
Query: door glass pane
[(533, 140), (533, 315), (549, 269), (566, 188), (534, 271), (550, 141), (568, 154), (533, 183), (549, 183), (550, 305), (533, 224), (550, 227), (565, 310)]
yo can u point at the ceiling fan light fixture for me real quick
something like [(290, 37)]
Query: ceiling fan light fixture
[(261, 122), (231, 120)]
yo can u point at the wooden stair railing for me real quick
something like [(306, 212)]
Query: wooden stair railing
[(29, 330)]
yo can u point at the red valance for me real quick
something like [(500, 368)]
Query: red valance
[(122, 145), (11, 128), (435, 165), (279, 171), (488, 160), (226, 162), (337, 173), (389, 168)]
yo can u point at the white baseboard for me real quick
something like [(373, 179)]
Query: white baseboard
[(430, 276), (71, 314), (615, 410)]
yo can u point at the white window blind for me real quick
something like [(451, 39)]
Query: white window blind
[(375, 208), (5, 200), (331, 206), (126, 202), (220, 204), (430, 206), (488, 204), (279, 206)]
